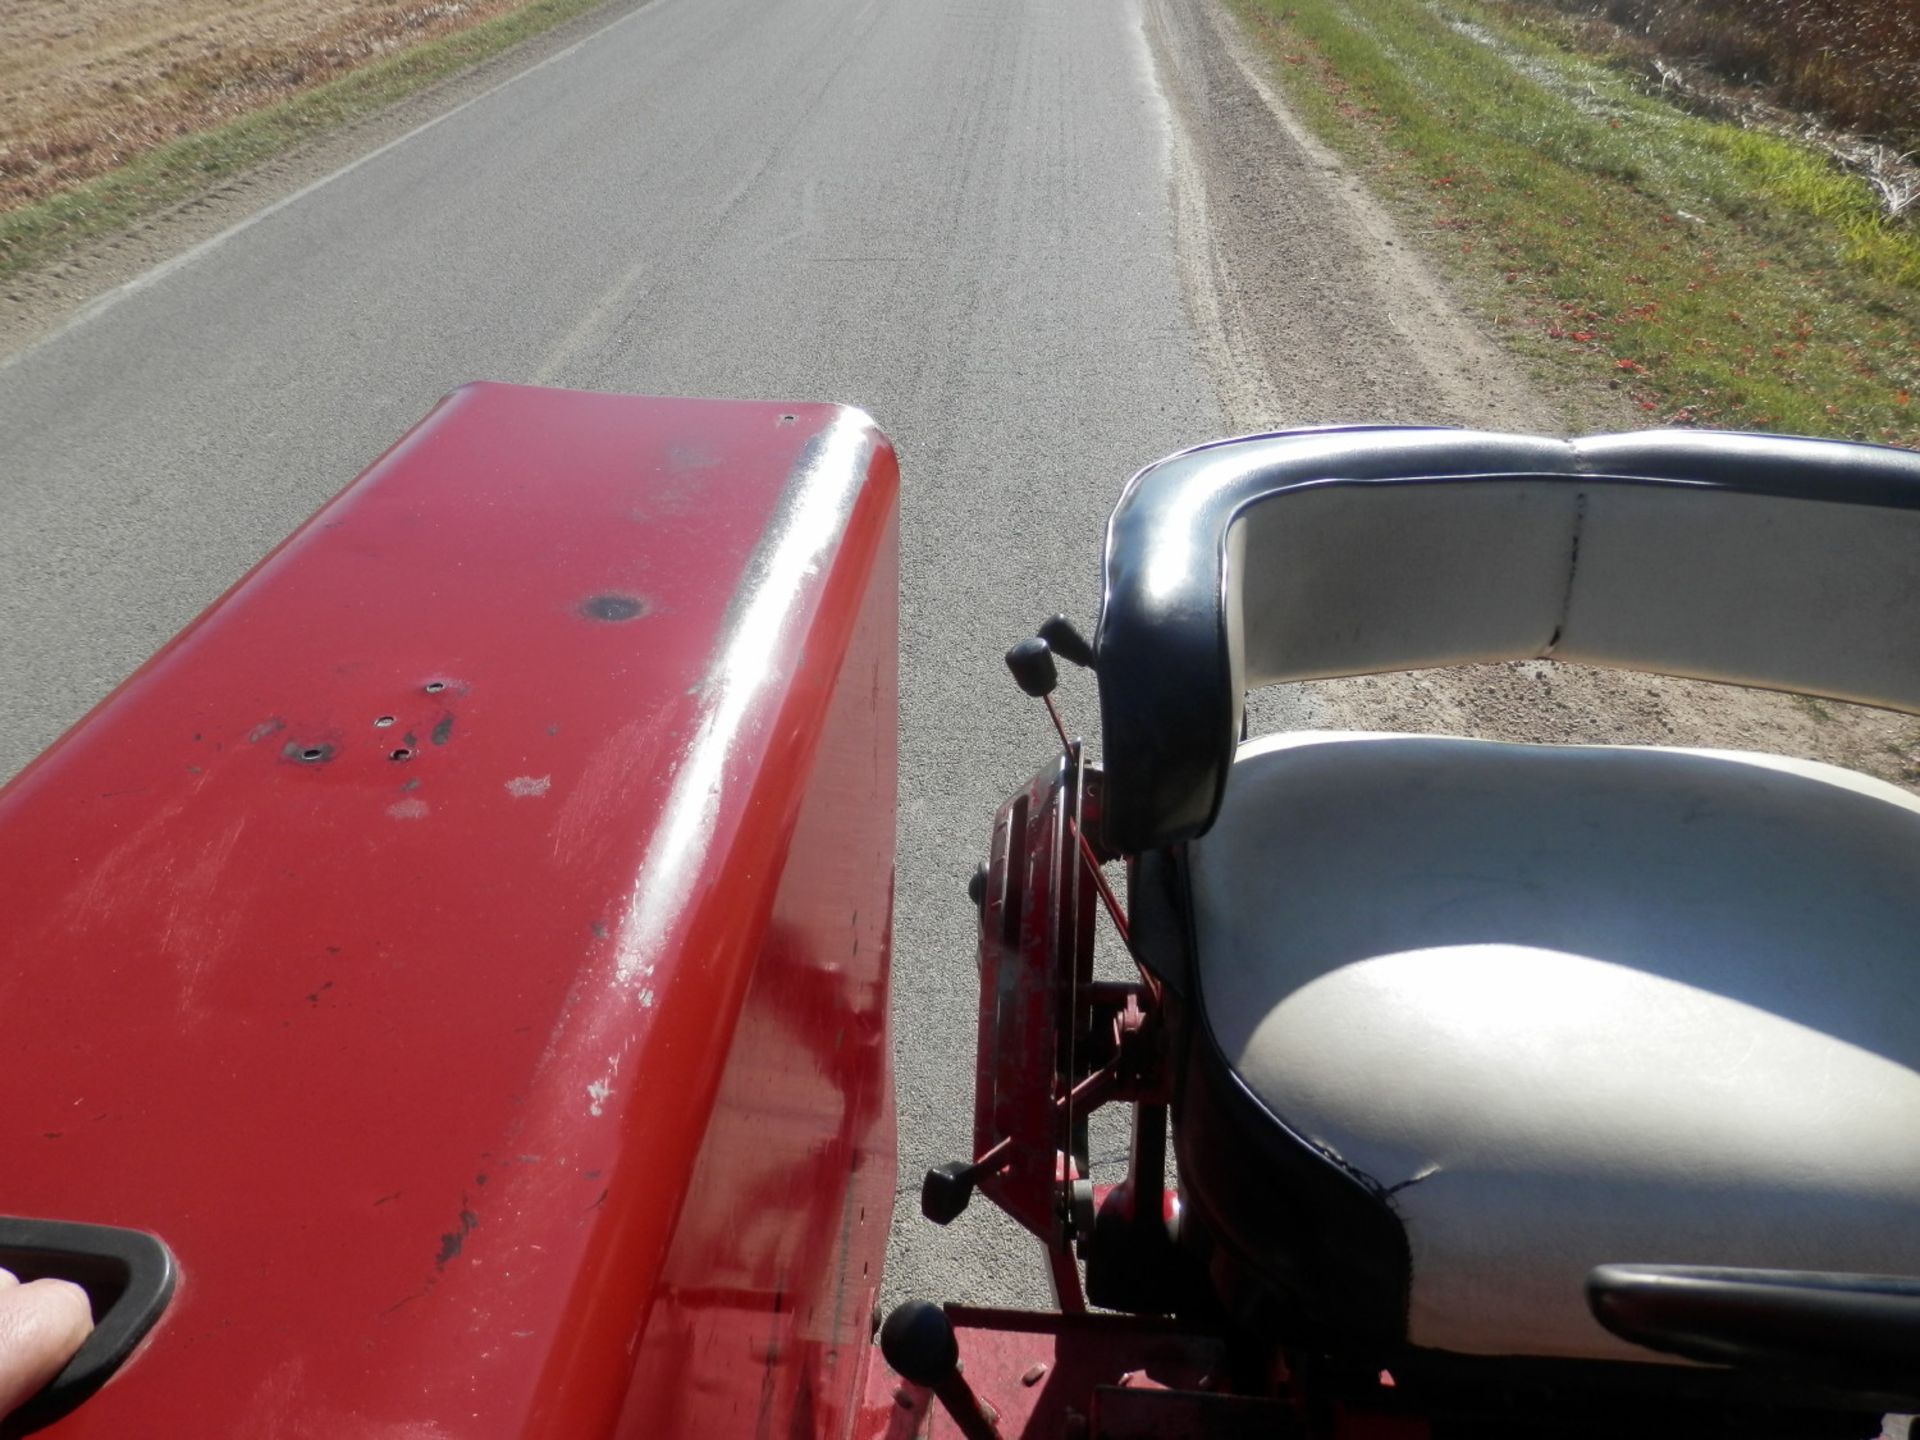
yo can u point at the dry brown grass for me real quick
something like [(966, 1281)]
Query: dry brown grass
[(86, 85), (1855, 63)]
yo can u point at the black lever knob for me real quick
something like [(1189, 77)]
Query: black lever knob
[(944, 1193), (1066, 641), (919, 1343), (1031, 662)]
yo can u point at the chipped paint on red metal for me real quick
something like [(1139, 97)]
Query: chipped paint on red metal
[(466, 944)]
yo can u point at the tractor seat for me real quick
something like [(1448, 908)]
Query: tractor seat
[(1549, 1007)]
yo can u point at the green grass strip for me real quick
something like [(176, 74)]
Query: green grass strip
[(38, 234), (1719, 276)]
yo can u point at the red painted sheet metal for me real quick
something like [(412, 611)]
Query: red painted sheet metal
[(763, 1321), (381, 943)]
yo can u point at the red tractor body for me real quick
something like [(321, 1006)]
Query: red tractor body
[(466, 945)]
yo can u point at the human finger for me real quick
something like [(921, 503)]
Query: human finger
[(41, 1324)]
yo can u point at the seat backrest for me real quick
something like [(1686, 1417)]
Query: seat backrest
[(1783, 564)]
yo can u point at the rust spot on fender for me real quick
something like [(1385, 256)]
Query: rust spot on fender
[(451, 1242), (443, 731)]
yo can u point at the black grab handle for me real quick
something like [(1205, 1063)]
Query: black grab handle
[(1858, 1333), (128, 1276)]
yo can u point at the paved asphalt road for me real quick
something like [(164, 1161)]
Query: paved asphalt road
[(953, 213)]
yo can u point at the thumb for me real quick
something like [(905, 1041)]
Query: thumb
[(41, 1324)]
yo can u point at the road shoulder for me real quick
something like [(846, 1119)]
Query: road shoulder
[(1314, 306)]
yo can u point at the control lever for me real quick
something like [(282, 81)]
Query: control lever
[(1066, 641), (919, 1343), (945, 1191), (1031, 662)]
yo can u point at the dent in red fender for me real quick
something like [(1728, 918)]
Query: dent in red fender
[(466, 944)]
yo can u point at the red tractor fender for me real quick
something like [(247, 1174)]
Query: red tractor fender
[(465, 945)]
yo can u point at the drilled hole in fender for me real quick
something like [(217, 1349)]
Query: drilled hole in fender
[(383, 722), (613, 607), (434, 687), (403, 753)]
